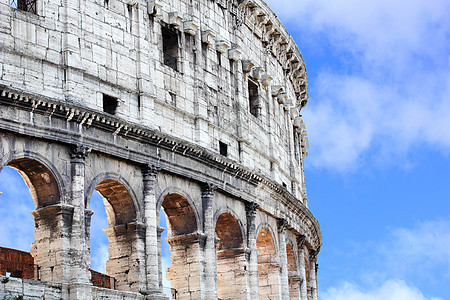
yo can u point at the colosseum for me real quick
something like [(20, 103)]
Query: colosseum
[(187, 108)]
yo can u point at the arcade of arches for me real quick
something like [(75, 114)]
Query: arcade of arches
[(220, 246)]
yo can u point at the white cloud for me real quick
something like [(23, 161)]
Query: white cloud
[(408, 262), (389, 290), (427, 247), (390, 93)]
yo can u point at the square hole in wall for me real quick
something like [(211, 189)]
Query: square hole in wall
[(223, 148), (110, 104)]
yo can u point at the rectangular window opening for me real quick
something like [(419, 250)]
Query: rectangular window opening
[(110, 104), (219, 58), (223, 149), (25, 5), (170, 47), (253, 98)]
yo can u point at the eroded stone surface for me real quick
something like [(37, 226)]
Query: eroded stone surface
[(192, 107)]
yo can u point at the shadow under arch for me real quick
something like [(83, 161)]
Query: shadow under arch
[(52, 219), (125, 233), (185, 243), (228, 210), (174, 193), (42, 178), (268, 263), (119, 193), (231, 257), (293, 274)]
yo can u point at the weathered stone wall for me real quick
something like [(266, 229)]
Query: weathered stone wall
[(77, 51), (189, 106)]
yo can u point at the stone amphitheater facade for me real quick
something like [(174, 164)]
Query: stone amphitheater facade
[(192, 106)]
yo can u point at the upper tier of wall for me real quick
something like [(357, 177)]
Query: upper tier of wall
[(224, 75)]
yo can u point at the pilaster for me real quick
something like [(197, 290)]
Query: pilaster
[(149, 173), (80, 277), (284, 278), (313, 273), (253, 291), (210, 270), (302, 267)]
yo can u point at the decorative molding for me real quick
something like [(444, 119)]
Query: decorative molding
[(282, 224), (234, 54), (149, 170), (190, 27), (222, 46), (208, 189), (208, 37), (87, 117), (251, 208), (79, 152)]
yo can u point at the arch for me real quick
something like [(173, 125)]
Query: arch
[(263, 226), (293, 275), (231, 261), (43, 180), (227, 210), (124, 263), (266, 247), (180, 215), (122, 206), (229, 231), (292, 262), (177, 194), (184, 243), (268, 265)]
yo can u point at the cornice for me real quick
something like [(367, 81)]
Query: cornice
[(84, 116)]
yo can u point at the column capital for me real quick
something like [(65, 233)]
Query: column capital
[(208, 188), (150, 170), (282, 224), (313, 255), (79, 152), (251, 208), (301, 239)]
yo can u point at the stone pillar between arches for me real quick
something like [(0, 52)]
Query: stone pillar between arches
[(125, 256), (210, 271), (187, 259), (313, 274), (80, 276), (152, 246), (252, 256), (269, 280), (231, 274), (284, 280), (50, 249), (294, 287)]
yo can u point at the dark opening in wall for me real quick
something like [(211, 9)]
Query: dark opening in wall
[(284, 185), (25, 5), (253, 98), (110, 104), (219, 58), (223, 148), (170, 47)]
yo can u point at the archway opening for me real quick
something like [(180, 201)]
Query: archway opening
[(28, 186), (294, 278), (164, 255), (308, 286), (184, 244), (231, 262), (123, 260), (268, 266)]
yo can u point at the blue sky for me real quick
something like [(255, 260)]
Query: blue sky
[(378, 170)]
